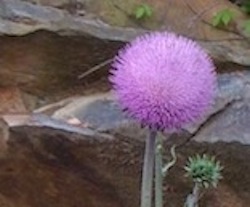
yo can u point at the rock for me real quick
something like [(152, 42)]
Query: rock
[(46, 165), (46, 64), (231, 124), (21, 17), (45, 121), (47, 182), (106, 20), (14, 100), (227, 121), (56, 3), (100, 111)]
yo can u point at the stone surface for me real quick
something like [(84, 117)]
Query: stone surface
[(227, 121), (22, 17), (13, 100), (46, 165), (44, 63), (113, 21), (35, 177), (232, 123)]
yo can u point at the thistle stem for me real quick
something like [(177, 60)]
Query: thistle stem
[(193, 198), (158, 174), (196, 194), (148, 170)]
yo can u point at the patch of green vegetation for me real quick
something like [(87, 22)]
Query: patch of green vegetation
[(223, 18), (143, 11)]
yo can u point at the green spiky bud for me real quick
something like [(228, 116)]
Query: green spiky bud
[(204, 170)]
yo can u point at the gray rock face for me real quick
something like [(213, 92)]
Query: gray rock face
[(231, 124), (228, 120), (72, 17), (21, 17), (12, 9)]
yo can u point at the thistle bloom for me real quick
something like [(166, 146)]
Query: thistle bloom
[(163, 80)]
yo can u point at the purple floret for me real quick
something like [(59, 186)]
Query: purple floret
[(164, 80)]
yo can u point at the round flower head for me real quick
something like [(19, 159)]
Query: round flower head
[(163, 80)]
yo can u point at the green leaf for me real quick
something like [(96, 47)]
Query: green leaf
[(216, 20), (148, 10), (223, 18), (226, 18), (143, 11), (139, 13)]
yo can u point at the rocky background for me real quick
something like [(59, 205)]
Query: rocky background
[(64, 141)]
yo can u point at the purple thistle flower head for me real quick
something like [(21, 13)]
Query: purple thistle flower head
[(163, 80)]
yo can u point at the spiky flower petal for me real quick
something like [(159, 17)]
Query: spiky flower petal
[(163, 80), (204, 170)]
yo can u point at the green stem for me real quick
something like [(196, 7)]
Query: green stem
[(148, 168), (196, 194), (193, 198), (158, 174)]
